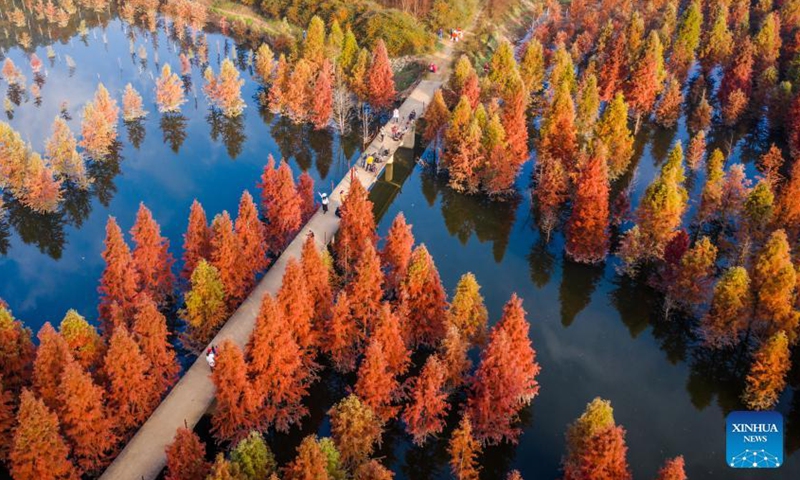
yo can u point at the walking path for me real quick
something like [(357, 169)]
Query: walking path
[(144, 456)]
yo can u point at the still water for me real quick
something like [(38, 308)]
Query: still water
[(596, 334)]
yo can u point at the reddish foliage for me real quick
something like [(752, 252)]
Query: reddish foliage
[(424, 415), (228, 258), (236, 405), (297, 304), (612, 71), (251, 235), (39, 452), (16, 351), (7, 420), (396, 253), (186, 457), (131, 392), (514, 118), (305, 190), (464, 449), (317, 276), (280, 379), (84, 419), (196, 240), (587, 230), (602, 457), (150, 332), (281, 206), (52, 356), (366, 289), (376, 385), (118, 284), (322, 108), (389, 332), (342, 338), (505, 380), (673, 469), (356, 229), (151, 257), (425, 300), (380, 83)]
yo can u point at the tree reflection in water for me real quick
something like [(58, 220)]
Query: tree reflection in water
[(229, 129), (173, 128)]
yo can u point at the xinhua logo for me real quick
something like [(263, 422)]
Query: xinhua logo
[(754, 440)]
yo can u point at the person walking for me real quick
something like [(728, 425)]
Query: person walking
[(383, 133), (370, 161), (325, 202), (396, 116), (211, 358)]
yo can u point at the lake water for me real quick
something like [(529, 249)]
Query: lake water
[(595, 333)]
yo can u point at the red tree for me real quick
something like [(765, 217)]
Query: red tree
[(322, 108), (389, 331), (424, 415), (493, 404), (673, 469), (366, 289), (515, 123), (16, 351), (281, 205), (251, 235), (52, 356), (227, 256), (186, 457), (84, 419), (311, 462), (376, 385), (602, 457), (196, 240), (150, 332), (280, 378), (396, 253), (587, 230), (305, 190), (236, 405), (7, 420), (317, 275), (342, 336), (356, 229), (425, 300), (151, 257), (39, 452), (130, 388), (298, 305), (118, 284), (380, 83)]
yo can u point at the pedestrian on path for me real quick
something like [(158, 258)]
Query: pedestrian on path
[(370, 161), (396, 116), (325, 202), (211, 357), (383, 133)]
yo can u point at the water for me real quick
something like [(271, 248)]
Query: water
[(595, 333), (50, 263)]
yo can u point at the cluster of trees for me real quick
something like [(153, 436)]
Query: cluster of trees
[(615, 65), (318, 84), (367, 311), (402, 33), (70, 404), (596, 448), (486, 135)]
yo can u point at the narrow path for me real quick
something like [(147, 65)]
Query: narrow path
[(144, 456)]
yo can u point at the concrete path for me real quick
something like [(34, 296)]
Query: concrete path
[(144, 456)]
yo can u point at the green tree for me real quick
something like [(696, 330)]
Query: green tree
[(254, 458), (205, 302)]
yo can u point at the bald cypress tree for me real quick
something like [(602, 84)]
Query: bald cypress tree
[(228, 258), (151, 257), (132, 393), (119, 282), (236, 403), (425, 300), (424, 414), (252, 236), (380, 80), (464, 449), (767, 377), (151, 334), (357, 228), (52, 357), (17, 351), (596, 445), (83, 341), (186, 457), (196, 240), (376, 384), (39, 452), (587, 231)]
